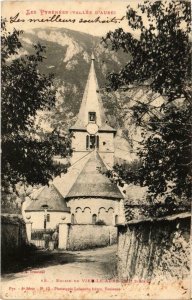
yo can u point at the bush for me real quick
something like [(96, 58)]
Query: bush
[(100, 222), (38, 234)]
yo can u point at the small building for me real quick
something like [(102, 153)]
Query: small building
[(48, 209)]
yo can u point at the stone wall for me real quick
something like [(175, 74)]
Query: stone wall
[(13, 234), (155, 249), (90, 236)]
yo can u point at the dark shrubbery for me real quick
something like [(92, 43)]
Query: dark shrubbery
[(100, 222), (38, 234)]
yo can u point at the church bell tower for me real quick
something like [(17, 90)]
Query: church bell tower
[(91, 131)]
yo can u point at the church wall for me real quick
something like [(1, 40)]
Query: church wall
[(37, 219), (106, 142), (106, 146), (79, 141), (83, 210)]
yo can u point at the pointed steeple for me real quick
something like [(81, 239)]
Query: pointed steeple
[(91, 102)]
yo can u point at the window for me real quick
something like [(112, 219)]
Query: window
[(72, 219), (94, 218), (92, 116), (97, 142), (87, 142), (92, 142), (116, 219), (48, 217)]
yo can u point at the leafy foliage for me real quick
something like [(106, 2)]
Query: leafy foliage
[(100, 222), (38, 234), (27, 151), (161, 60)]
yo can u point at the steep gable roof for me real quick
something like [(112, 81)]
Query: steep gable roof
[(51, 197), (91, 182)]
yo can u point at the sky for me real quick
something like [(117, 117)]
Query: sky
[(71, 10)]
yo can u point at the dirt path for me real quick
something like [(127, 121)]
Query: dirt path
[(95, 262), (86, 274), (43, 270)]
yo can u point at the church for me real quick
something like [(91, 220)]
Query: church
[(84, 195)]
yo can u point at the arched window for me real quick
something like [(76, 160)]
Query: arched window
[(72, 219), (92, 142), (116, 219), (94, 218), (48, 217), (97, 142), (87, 142)]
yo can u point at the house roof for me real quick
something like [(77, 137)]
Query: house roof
[(91, 182), (91, 102), (51, 197)]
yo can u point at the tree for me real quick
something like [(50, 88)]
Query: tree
[(27, 151), (161, 60)]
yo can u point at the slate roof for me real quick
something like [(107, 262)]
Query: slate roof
[(64, 182), (106, 128), (91, 102), (50, 196), (91, 181)]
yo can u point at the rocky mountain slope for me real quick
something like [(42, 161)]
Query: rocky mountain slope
[(68, 57)]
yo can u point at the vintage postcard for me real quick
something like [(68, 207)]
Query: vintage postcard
[(96, 149)]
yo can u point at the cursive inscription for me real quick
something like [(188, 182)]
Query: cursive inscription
[(59, 19)]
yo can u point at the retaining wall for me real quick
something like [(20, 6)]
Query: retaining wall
[(90, 236), (13, 234), (155, 249)]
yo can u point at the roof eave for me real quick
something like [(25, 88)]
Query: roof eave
[(93, 196), (49, 210), (107, 130), (77, 129)]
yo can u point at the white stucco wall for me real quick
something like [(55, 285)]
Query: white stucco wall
[(79, 141), (84, 208), (63, 236), (106, 142), (106, 146), (37, 219)]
